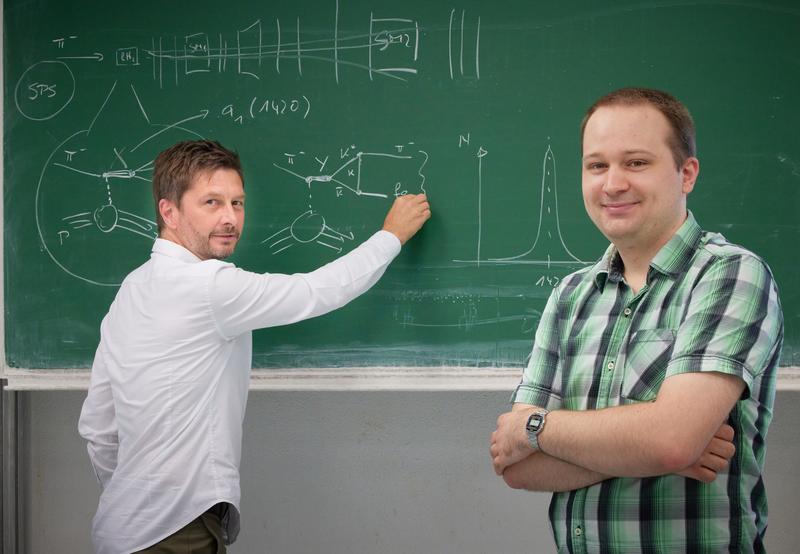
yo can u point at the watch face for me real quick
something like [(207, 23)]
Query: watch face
[(534, 426), (535, 422)]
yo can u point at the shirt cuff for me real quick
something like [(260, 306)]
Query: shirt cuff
[(720, 364), (387, 241), (536, 396)]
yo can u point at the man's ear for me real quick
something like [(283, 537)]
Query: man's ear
[(690, 171), (169, 213)]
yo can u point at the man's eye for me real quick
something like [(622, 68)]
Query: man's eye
[(637, 163), (596, 165)]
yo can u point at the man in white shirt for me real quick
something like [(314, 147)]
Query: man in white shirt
[(163, 417)]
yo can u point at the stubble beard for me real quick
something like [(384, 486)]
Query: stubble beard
[(222, 252), (204, 248)]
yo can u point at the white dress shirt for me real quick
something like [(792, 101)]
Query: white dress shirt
[(163, 416)]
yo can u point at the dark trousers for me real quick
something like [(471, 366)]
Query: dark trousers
[(201, 536)]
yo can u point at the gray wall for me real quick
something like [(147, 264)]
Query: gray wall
[(356, 472)]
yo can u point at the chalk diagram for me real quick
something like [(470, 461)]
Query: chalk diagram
[(306, 228), (94, 200), (359, 176), (465, 310), (472, 307), (548, 247), (38, 101), (389, 48)]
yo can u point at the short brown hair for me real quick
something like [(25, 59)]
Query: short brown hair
[(176, 167), (682, 142)]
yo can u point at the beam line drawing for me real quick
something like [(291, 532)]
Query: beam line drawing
[(460, 45), (396, 34)]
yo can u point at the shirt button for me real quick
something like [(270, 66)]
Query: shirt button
[(627, 312), (610, 365), (578, 531)]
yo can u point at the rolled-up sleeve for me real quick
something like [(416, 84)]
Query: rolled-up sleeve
[(243, 301), (733, 323), (539, 385)]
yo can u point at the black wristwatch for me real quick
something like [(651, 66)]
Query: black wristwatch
[(534, 426)]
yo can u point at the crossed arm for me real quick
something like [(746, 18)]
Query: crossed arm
[(683, 431)]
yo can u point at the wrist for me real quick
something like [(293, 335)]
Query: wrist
[(534, 427)]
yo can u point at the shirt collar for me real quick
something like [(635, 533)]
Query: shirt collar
[(678, 252), (670, 260), (174, 250), (608, 268)]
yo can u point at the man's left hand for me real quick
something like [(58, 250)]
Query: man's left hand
[(510, 441)]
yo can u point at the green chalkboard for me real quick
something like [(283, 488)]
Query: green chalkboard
[(336, 106)]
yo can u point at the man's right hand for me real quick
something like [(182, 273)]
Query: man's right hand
[(714, 458), (407, 216)]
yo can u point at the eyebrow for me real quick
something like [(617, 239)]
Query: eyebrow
[(216, 194), (625, 152)]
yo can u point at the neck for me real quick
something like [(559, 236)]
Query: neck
[(637, 255), (636, 268), (167, 234), (636, 260)]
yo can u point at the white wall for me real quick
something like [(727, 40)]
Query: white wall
[(358, 472)]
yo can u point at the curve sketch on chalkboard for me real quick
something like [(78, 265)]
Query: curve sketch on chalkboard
[(548, 246)]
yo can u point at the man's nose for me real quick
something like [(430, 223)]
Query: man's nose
[(229, 214), (616, 181)]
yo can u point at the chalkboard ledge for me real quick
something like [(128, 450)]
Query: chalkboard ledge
[(339, 379)]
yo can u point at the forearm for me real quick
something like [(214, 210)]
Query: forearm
[(649, 438), (638, 440), (338, 282), (624, 441), (541, 472), (242, 301)]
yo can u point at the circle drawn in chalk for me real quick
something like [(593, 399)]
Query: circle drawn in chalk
[(44, 89), (308, 227), (106, 217)]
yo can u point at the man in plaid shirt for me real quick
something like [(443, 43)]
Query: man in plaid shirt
[(648, 395)]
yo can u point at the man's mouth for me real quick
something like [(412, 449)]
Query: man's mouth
[(618, 207), (226, 236)]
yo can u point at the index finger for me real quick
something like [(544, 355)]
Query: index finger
[(725, 432)]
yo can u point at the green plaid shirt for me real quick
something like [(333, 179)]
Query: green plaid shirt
[(708, 305)]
